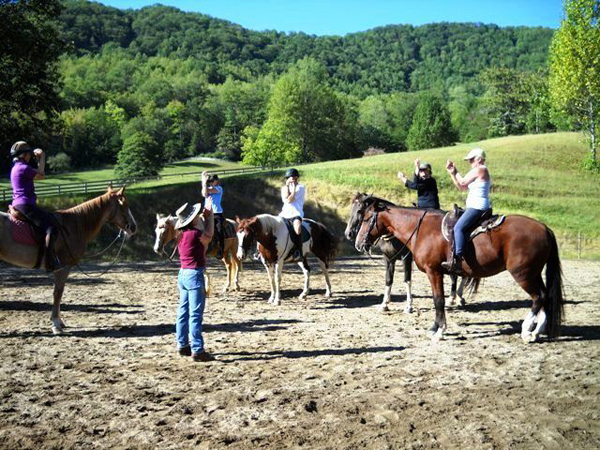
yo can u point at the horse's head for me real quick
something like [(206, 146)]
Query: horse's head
[(357, 210), (120, 215), (246, 233), (370, 229), (165, 232)]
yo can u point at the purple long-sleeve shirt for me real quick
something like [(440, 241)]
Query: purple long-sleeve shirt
[(21, 178)]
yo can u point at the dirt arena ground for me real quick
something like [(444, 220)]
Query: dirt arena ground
[(318, 374)]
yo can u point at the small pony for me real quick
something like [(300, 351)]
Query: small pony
[(275, 248)]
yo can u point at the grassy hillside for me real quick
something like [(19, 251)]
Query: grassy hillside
[(539, 176)]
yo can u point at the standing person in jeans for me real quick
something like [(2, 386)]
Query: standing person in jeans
[(211, 188), (425, 185), (478, 182), (24, 200), (191, 244)]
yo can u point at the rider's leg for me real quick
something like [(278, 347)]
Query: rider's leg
[(298, 238), (466, 221), (43, 221)]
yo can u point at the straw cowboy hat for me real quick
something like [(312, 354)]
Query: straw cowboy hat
[(186, 214)]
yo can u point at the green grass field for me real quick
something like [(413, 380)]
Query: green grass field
[(180, 167)]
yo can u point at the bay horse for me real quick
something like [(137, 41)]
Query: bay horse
[(276, 247), (165, 233), (394, 250), (77, 227), (521, 245)]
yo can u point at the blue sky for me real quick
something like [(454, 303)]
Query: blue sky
[(339, 17)]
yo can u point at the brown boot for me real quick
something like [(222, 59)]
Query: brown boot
[(454, 266), (51, 260)]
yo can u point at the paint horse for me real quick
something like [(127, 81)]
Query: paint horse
[(394, 250), (165, 233), (275, 248), (77, 227), (520, 245)]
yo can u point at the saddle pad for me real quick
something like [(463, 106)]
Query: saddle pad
[(305, 232), (22, 232)]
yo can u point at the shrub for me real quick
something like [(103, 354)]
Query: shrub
[(139, 157), (61, 162)]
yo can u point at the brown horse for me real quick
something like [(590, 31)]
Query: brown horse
[(77, 226), (521, 245), (165, 233)]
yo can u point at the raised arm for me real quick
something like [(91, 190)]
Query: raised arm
[(209, 225), (462, 182), (41, 169)]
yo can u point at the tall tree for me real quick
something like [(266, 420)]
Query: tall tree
[(29, 83), (431, 125), (575, 67)]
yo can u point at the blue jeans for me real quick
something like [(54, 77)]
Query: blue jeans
[(191, 309), (465, 224)]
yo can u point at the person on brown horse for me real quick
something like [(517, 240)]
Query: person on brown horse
[(22, 177), (478, 182)]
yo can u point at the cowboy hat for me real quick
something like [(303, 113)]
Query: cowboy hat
[(186, 214)]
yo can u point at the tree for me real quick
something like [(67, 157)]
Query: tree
[(575, 67), (29, 84), (431, 126), (139, 157)]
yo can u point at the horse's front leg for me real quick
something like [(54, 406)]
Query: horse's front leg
[(453, 279), (408, 259), (306, 271), (237, 268), (278, 272), (436, 280), (270, 274), (390, 267), (227, 261), (60, 278)]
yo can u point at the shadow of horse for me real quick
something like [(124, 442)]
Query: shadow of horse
[(568, 332), (296, 354), (107, 308)]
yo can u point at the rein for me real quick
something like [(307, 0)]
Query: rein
[(373, 221)]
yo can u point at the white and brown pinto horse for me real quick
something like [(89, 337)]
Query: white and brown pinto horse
[(77, 226), (165, 233), (275, 248)]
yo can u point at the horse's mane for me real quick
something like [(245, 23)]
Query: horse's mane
[(87, 215)]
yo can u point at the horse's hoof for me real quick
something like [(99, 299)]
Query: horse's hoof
[(451, 301), (462, 302), (303, 296), (408, 310), (384, 308), (328, 295), (277, 302), (526, 336), (57, 331)]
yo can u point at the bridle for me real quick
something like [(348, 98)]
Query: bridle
[(373, 224)]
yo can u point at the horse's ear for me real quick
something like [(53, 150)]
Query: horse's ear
[(237, 219), (109, 189), (159, 216), (121, 191)]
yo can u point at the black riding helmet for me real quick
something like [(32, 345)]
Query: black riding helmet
[(291, 173), (19, 148)]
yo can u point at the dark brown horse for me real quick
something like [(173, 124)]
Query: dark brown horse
[(394, 250), (78, 226), (521, 245)]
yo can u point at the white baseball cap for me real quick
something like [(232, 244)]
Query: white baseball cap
[(476, 153)]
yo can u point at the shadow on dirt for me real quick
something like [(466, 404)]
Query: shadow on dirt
[(295, 354), (107, 308)]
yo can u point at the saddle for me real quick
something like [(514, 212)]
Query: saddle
[(290, 227), (487, 222), (26, 233)]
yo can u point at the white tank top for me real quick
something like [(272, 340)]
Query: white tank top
[(296, 207), (479, 195)]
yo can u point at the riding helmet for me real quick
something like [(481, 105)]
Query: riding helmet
[(20, 148), (291, 173)]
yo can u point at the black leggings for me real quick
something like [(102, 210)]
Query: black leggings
[(38, 217)]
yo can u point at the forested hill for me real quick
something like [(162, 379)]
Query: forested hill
[(382, 60)]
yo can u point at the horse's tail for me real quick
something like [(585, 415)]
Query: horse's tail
[(472, 286), (555, 301), (325, 245)]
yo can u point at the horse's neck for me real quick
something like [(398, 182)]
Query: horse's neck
[(266, 227), (403, 223), (88, 218)]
